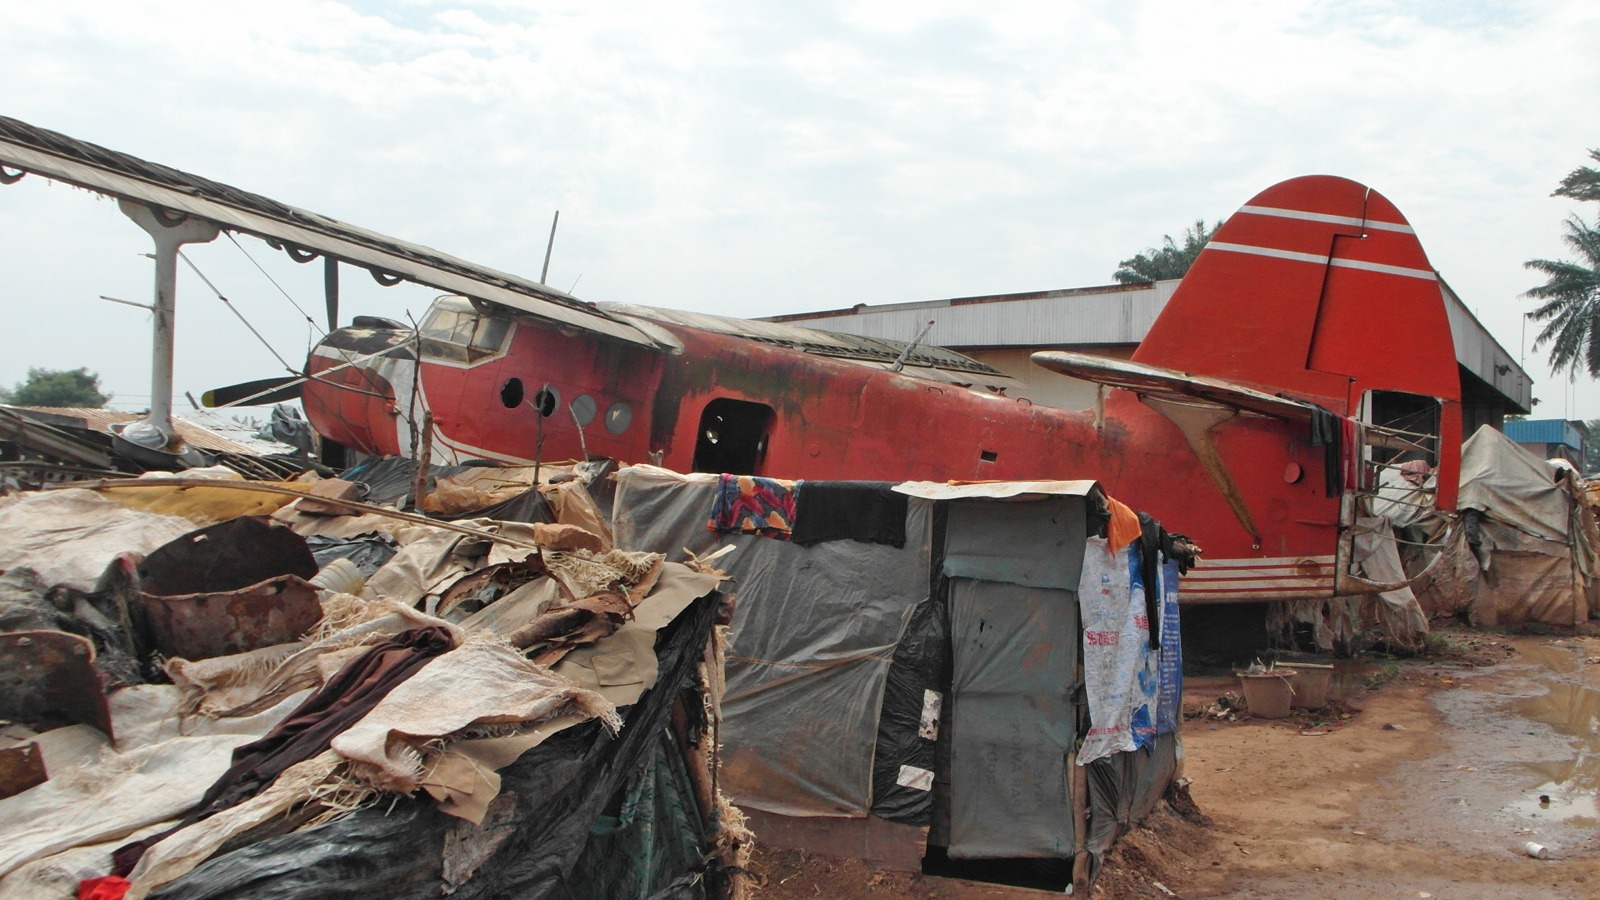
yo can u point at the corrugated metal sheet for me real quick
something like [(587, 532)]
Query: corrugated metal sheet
[(57, 156), (1479, 353), (1545, 431), (1113, 314), (101, 420)]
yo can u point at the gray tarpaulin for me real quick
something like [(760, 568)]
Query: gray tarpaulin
[(1513, 486), (814, 631), (1015, 649), (1038, 543), (1523, 535)]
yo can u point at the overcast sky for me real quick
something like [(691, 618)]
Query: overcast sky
[(753, 158)]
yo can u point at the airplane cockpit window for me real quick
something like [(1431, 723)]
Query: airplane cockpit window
[(1402, 444), (454, 330), (1401, 427)]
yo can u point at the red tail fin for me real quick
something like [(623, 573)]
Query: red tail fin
[(1317, 288)]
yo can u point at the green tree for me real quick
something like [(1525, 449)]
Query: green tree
[(1582, 183), (1571, 293), (1169, 260), (56, 388)]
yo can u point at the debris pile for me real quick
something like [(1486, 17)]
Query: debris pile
[(217, 687)]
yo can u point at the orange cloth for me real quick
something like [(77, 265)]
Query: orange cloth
[(1124, 527)]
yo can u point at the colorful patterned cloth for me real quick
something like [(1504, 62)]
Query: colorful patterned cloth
[(749, 504)]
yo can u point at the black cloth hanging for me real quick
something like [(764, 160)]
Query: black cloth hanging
[(869, 511), (1326, 433), (1151, 536)]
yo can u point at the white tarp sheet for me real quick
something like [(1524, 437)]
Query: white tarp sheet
[(70, 536), (1525, 547)]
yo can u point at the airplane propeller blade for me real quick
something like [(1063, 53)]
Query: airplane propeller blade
[(262, 392), (330, 289)]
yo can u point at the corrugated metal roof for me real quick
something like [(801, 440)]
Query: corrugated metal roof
[(101, 420), (1112, 314), (1545, 431)]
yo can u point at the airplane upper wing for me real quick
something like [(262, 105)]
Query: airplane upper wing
[(1170, 384), (923, 360), (54, 155)]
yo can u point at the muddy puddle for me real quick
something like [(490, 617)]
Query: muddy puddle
[(1523, 761), (1563, 789)]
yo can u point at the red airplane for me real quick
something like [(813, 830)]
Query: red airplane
[(1207, 428), (1251, 418)]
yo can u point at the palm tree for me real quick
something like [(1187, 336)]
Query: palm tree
[(1571, 293), (1169, 260), (1582, 183)]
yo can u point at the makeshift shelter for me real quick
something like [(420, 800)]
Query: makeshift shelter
[(1526, 523), (906, 663), (500, 709)]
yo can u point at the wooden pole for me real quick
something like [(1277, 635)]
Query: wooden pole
[(419, 487)]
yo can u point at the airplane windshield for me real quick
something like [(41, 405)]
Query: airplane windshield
[(462, 334)]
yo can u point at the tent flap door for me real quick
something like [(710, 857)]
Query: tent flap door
[(1012, 723)]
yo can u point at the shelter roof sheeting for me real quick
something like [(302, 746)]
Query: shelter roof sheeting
[(193, 433), (1511, 485)]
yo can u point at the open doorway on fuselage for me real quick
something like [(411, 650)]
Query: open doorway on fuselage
[(732, 437)]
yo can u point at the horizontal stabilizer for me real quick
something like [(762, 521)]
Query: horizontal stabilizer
[(1169, 384)]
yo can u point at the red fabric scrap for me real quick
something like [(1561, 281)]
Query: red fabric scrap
[(106, 887)]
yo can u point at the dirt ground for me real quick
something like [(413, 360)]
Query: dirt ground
[(1425, 778)]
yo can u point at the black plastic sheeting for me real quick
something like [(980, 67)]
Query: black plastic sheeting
[(369, 554), (921, 664), (561, 789), (389, 480), (287, 427), (1124, 788), (654, 836)]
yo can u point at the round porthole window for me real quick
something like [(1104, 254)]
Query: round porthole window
[(619, 417), (546, 401), (583, 409), (511, 393)]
